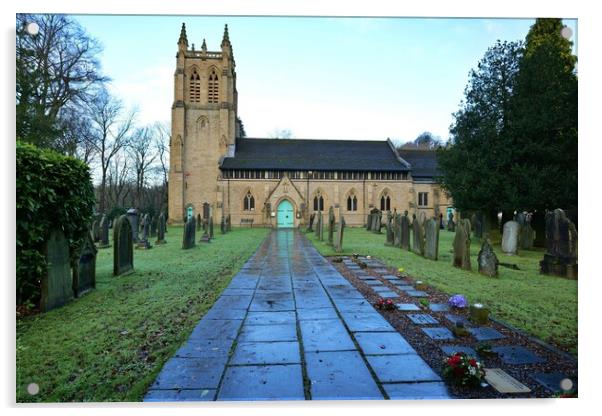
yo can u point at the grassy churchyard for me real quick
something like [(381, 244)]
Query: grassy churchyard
[(110, 344), (544, 306)]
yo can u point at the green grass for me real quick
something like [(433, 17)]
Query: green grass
[(544, 306), (110, 344)]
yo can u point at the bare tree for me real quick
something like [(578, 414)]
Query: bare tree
[(163, 140), (143, 154), (111, 128), (119, 180)]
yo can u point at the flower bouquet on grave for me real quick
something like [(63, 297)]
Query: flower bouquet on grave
[(484, 350), (458, 302), (401, 274), (385, 304), (463, 370)]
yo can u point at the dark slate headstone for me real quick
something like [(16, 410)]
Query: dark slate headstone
[(310, 226), (560, 258), (96, 230), (554, 381), (104, 232), (439, 307), (438, 333), (451, 225), (452, 349), (123, 246), (206, 210), (338, 247), (431, 248), (188, 240), (517, 355), (407, 307), (526, 236), (422, 319), (84, 275), (390, 230), (462, 245), (417, 237), (211, 236), (222, 225), (320, 226), (397, 230), (161, 227), (477, 225), (331, 225), (485, 333), (405, 232), (377, 222), (132, 216), (153, 226), (57, 288), (199, 222), (487, 260)]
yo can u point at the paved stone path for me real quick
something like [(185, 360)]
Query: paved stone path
[(291, 327)]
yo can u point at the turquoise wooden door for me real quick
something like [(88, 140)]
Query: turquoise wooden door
[(285, 215)]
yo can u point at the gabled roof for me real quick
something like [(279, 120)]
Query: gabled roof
[(424, 163), (320, 155)]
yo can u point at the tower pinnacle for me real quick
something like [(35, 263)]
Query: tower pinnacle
[(226, 39), (183, 39)]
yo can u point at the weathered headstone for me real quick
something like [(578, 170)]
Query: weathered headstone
[(153, 226), (377, 223), (560, 258), (222, 225), (431, 232), (369, 222), (96, 230), (320, 226), (161, 227), (526, 235), (123, 246), (331, 225), (417, 237), (132, 216), (405, 232), (211, 236), (199, 222), (338, 246), (390, 229), (57, 288), (84, 274), (510, 237), (397, 230), (487, 260), (451, 225), (188, 240), (143, 243), (477, 226), (310, 227), (228, 223), (462, 245), (104, 232)]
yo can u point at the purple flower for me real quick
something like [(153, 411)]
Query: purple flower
[(458, 301)]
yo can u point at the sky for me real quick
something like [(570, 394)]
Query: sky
[(320, 77)]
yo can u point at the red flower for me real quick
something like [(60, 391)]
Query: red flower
[(473, 362), (454, 360)]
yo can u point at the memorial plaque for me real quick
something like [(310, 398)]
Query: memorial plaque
[(504, 382)]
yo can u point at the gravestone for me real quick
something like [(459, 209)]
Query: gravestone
[(132, 216), (431, 233), (418, 237), (84, 274), (560, 257), (228, 223), (161, 229), (477, 226), (338, 247), (56, 285), (405, 232), (222, 225), (198, 222), (397, 230), (526, 234), (104, 232), (143, 243), (153, 226), (310, 226), (451, 225), (487, 260), (390, 231), (441, 226), (377, 223), (206, 210), (96, 230), (123, 246), (510, 237), (211, 236), (462, 245), (331, 224), (188, 239), (318, 224)]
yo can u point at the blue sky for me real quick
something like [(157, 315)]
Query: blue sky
[(332, 78)]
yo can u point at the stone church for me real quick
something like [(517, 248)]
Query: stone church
[(278, 182)]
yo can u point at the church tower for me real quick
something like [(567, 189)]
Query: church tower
[(203, 127)]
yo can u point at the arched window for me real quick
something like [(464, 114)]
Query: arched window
[(249, 202), (213, 92), (195, 87), (351, 203), (318, 202), (385, 202)]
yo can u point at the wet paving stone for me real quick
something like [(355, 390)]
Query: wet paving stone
[(216, 348), (485, 334), (237, 292), (438, 333), (238, 283), (216, 329), (276, 332), (417, 391), (407, 307), (385, 343), (313, 302), (391, 278), (340, 375), (199, 395), (270, 318), (233, 302), (422, 319), (222, 314), (325, 335), (388, 294), (274, 301), (401, 368), (517, 355), (366, 322), (316, 313), (190, 373), (266, 353), (263, 382), (381, 270), (439, 307), (452, 349)]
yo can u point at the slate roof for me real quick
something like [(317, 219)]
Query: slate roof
[(319, 155), (424, 163)]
